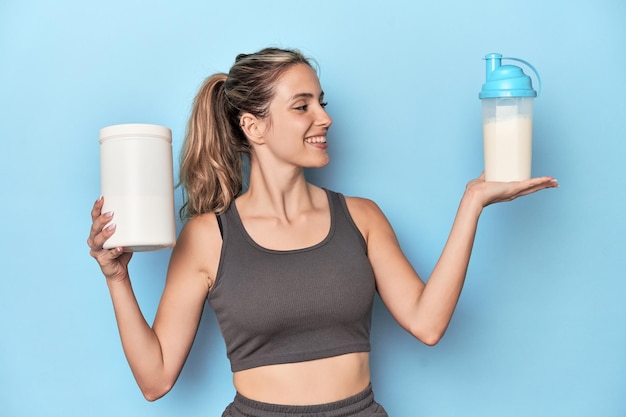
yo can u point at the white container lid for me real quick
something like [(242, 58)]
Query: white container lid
[(135, 130)]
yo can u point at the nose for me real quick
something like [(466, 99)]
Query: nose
[(323, 118)]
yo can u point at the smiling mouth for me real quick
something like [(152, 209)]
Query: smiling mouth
[(316, 139)]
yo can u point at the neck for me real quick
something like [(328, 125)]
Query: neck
[(282, 193)]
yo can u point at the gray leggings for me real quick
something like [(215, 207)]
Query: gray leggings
[(359, 405)]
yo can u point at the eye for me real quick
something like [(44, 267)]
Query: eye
[(323, 104), (304, 107)]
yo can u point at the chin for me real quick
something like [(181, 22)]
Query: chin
[(320, 164)]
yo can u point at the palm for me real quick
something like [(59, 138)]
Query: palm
[(497, 192)]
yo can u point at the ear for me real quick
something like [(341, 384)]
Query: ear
[(253, 128)]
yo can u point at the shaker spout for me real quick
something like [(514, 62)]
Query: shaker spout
[(493, 62)]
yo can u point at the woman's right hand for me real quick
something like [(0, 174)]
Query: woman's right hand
[(113, 262)]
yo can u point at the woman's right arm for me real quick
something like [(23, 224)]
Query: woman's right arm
[(156, 354)]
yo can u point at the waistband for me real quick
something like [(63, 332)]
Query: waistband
[(350, 406)]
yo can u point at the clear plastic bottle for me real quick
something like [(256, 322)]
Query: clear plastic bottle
[(507, 108)]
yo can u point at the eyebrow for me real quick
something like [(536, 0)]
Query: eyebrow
[(305, 95)]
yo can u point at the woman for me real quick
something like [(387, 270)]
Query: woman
[(289, 268)]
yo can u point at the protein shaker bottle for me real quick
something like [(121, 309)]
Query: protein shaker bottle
[(507, 107), (137, 182)]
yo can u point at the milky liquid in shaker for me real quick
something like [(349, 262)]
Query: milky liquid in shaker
[(507, 109), (507, 138), (137, 183)]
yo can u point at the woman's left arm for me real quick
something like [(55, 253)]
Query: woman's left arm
[(425, 309)]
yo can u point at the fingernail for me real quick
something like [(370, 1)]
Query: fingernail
[(108, 214), (110, 227)]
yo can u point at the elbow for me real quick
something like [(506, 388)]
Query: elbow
[(428, 336), (153, 393), (152, 396), (431, 339)]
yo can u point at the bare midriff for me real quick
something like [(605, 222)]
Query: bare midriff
[(318, 381)]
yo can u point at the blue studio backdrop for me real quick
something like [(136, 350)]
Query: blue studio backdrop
[(540, 329)]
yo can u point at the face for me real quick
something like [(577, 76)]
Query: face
[(295, 130)]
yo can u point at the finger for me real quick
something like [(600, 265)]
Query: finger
[(101, 230), (97, 219), (114, 253), (540, 180), (537, 188), (105, 256), (535, 184), (97, 208)]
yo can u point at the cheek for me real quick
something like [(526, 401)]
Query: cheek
[(293, 132)]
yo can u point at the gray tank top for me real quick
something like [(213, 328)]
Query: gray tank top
[(295, 305)]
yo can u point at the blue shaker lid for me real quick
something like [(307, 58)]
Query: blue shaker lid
[(507, 80)]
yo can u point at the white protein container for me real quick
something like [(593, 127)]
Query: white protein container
[(137, 183)]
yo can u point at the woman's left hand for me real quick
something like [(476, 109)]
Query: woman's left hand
[(490, 192)]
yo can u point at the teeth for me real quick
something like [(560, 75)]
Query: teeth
[(316, 139)]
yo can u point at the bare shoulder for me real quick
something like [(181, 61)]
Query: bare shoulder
[(366, 214), (201, 225), (363, 207), (201, 232)]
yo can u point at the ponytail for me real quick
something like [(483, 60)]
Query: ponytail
[(211, 160)]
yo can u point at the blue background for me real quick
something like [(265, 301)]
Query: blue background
[(540, 328)]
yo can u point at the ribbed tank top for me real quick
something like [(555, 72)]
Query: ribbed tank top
[(276, 306)]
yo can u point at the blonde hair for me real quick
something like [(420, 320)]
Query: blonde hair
[(212, 156)]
